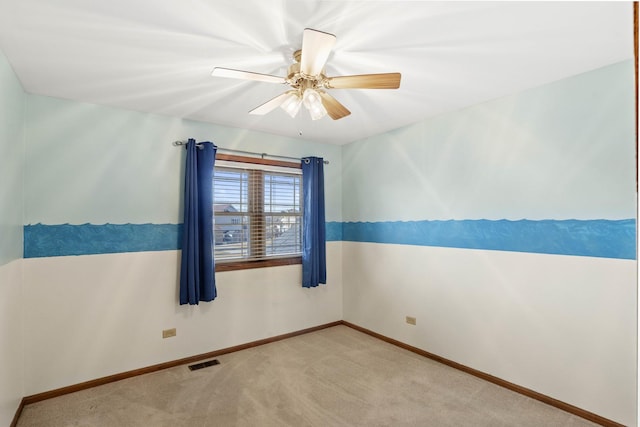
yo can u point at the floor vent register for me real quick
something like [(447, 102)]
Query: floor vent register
[(204, 364)]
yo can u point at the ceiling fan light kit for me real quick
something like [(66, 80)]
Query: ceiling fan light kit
[(308, 81), (305, 93)]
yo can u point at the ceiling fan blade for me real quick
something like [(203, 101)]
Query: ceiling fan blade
[(335, 109), (270, 105), (365, 81), (246, 75), (316, 47)]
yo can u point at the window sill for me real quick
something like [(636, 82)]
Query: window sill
[(244, 265)]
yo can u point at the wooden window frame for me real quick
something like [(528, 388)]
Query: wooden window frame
[(260, 263)]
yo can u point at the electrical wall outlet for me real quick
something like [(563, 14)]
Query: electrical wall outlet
[(167, 333), (411, 320)]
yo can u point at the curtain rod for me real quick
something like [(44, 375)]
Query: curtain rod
[(251, 153)]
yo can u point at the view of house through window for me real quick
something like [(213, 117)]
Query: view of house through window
[(257, 212)]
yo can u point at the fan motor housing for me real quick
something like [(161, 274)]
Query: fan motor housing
[(297, 80)]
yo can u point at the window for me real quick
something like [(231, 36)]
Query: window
[(257, 213)]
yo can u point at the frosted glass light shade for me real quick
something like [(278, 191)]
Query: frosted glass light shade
[(292, 104), (313, 102)]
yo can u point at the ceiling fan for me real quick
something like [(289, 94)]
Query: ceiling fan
[(309, 83)]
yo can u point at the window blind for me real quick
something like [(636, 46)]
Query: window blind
[(257, 213)]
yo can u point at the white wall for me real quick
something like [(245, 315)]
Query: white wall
[(95, 315), (98, 315), (561, 325), (12, 304)]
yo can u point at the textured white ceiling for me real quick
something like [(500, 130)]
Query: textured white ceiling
[(157, 55)]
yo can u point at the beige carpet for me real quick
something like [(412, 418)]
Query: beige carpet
[(333, 377)]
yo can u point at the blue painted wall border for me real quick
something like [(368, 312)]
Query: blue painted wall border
[(42, 240), (596, 238), (333, 231)]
